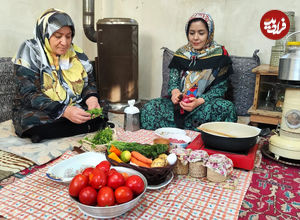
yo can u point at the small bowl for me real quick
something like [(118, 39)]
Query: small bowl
[(116, 210), (181, 138)]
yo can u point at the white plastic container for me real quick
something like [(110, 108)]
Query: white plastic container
[(131, 117)]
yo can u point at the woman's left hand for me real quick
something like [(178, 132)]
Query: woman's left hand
[(92, 102), (194, 103)]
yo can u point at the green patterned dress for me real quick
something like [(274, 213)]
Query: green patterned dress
[(159, 112)]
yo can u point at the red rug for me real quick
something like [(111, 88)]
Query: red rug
[(274, 192)]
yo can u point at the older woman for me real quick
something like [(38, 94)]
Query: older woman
[(198, 81), (55, 83)]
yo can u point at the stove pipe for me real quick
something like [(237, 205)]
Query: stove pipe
[(88, 12)]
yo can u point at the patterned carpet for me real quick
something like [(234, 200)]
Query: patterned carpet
[(274, 192)]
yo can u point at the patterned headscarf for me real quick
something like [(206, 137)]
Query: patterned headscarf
[(211, 46), (62, 77), (209, 21), (200, 68), (47, 24)]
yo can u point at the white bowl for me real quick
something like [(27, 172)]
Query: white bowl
[(167, 131), (65, 170), (179, 137), (116, 210)]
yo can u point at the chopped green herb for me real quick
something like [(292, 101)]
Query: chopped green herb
[(96, 112), (102, 137)]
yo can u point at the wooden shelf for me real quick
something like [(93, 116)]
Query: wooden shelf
[(265, 69), (264, 116), (260, 115)]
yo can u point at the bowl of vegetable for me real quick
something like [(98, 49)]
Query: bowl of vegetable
[(150, 160), (111, 197)]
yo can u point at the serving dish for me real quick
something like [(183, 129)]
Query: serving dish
[(116, 210), (65, 170), (167, 131), (154, 175)]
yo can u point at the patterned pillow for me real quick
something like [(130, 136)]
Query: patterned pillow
[(7, 88), (167, 57), (242, 80)]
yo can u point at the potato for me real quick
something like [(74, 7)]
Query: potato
[(163, 156), (158, 162)]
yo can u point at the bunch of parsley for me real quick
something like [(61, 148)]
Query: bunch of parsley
[(101, 137)]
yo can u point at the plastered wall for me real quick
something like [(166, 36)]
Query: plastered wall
[(161, 24)]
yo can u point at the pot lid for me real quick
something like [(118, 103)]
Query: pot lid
[(120, 21), (293, 43)]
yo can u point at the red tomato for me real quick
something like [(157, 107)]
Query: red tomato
[(104, 165), (77, 184), (111, 171), (123, 194), (136, 184), (94, 172), (115, 180), (87, 171), (105, 197), (88, 196), (98, 179)]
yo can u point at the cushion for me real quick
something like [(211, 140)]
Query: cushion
[(167, 57), (242, 80), (7, 88)]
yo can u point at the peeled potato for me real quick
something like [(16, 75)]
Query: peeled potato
[(158, 162), (163, 156)]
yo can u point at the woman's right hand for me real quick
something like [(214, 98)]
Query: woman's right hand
[(76, 115), (175, 96)]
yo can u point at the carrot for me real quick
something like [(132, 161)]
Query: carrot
[(141, 157), (139, 163), (115, 157), (114, 149)]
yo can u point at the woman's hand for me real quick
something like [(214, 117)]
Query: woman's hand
[(175, 96), (76, 115), (92, 102), (194, 103)]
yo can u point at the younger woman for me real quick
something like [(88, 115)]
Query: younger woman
[(198, 70)]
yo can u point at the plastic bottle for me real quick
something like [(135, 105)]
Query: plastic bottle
[(131, 117)]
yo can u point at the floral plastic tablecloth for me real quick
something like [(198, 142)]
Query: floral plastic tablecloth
[(37, 197)]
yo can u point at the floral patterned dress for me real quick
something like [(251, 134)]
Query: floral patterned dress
[(159, 112)]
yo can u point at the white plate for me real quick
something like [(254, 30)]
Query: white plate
[(163, 184), (166, 132), (65, 170)]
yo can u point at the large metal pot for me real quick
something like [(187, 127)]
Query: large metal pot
[(229, 136), (289, 64)]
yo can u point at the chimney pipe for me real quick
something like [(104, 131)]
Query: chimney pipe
[(88, 12)]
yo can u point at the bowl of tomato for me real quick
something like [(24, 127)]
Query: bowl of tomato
[(107, 194)]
